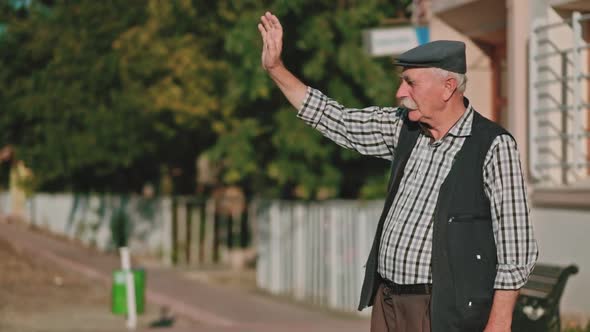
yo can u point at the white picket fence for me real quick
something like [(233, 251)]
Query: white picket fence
[(315, 252), (180, 230)]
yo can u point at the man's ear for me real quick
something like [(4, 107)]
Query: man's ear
[(450, 86)]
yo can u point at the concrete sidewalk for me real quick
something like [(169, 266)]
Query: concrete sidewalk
[(212, 308)]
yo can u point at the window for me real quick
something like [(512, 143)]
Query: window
[(559, 91)]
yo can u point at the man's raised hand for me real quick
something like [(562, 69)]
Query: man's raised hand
[(272, 38)]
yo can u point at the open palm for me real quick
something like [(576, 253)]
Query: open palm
[(272, 37)]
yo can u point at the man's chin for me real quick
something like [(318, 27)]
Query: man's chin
[(414, 115)]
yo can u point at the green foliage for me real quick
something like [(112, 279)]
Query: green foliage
[(103, 95), (325, 50), (94, 98), (236, 150), (63, 107), (120, 225), (302, 158)]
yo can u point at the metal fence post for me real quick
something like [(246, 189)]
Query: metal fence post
[(533, 100), (577, 76), (564, 117)]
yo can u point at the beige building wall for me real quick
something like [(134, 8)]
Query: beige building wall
[(479, 74), (561, 230), (518, 25)]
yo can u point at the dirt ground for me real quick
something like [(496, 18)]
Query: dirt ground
[(38, 297)]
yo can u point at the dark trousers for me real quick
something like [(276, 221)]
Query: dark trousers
[(400, 313)]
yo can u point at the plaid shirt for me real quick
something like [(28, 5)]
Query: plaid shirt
[(406, 241)]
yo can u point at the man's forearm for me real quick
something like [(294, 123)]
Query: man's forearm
[(290, 85), (502, 308)]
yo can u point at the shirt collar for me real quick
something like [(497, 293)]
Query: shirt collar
[(462, 127)]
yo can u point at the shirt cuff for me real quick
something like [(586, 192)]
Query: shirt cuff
[(512, 277), (313, 107)]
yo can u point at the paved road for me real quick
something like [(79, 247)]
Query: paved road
[(211, 308)]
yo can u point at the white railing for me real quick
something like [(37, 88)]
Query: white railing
[(316, 252), (558, 108)]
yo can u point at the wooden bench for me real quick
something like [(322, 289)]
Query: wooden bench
[(537, 307)]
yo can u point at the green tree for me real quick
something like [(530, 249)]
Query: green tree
[(64, 110), (85, 109), (104, 95), (323, 46)]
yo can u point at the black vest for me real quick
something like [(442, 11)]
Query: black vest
[(463, 249)]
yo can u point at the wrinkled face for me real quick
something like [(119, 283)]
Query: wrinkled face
[(421, 91)]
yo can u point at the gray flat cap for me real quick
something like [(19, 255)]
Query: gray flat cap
[(444, 54)]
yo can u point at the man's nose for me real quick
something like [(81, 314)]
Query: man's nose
[(402, 91)]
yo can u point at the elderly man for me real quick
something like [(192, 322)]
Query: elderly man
[(454, 242)]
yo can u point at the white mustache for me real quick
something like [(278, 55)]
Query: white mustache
[(408, 103)]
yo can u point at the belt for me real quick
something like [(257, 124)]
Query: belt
[(412, 289)]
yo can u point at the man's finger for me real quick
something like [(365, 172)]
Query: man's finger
[(261, 29), (266, 23), (275, 21), (262, 32), (269, 16), (265, 38)]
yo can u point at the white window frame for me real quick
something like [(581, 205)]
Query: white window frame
[(558, 144)]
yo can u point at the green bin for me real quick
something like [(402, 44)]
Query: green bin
[(119, 291)]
